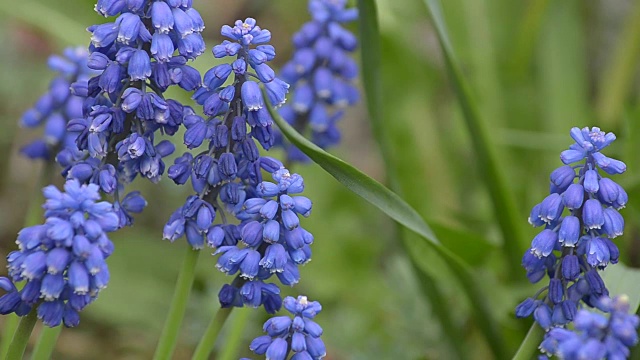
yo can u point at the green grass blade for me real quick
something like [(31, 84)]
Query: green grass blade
[(503, 203), (61, 27), (527, 37), (396, 208), (619, 75), (529, 347), (563, 69), (372, 82)]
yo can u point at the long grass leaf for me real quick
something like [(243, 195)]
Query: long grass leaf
[(396, 208), (503, 203)]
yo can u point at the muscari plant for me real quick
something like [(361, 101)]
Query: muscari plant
[(102, 116), (107, 107), (580, 219)]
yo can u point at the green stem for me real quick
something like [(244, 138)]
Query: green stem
[(234, 339), (169, 336), (528, 348), (211, 334), (46, 343), (32, 217), (10, 326), (21, 336)]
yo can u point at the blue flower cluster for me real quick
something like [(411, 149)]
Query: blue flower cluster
[(105, 127), (227, 177), (575, 243), (139, 56), (63, 260), (596, 336), (55, 108), (300, 334), (322, 74)]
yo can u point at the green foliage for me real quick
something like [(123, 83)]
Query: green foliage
[(467, 136)]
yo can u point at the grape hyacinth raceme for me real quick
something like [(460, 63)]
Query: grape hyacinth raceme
[(575, 244), (104, 129), (63, 260), (300, 335), (227, 177), (596, 336), (140, 55), (55, 108), (113, 134), (322, 73)]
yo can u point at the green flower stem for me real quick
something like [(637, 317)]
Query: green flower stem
[(10, 326), (529, 347), (233, 340), (208, 340), (205, 346), (32, 217), (169, 336), (21, 336), (46, 343)]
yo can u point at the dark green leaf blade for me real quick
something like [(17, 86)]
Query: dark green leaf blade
[(502, 200), (396, 208)]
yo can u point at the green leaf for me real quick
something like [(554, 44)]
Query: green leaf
[(527, 37), (623, 280), (503, 203), (372, 82), (471, 247), (48, 19), (563, 78), (396, 208), (618, 76)]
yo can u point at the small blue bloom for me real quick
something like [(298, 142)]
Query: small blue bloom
[(544, 243), (569, 232), (139, 66), (301, 332), (573, 197), (592, 214)]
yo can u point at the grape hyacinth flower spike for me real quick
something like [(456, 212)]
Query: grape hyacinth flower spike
[(596, 336), (227, 177), (300, 335), (322, 75), (139, 56), (62, 261), (580, 219), (104, 128), (58, 106)]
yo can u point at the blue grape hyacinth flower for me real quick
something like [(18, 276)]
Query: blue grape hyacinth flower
[(580, 219), (322, 74), (138, 57), (596, 336), (58, 106), (266, 238), (300, 334), (62, 261)]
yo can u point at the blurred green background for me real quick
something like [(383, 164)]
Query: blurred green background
[(536, 68)]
